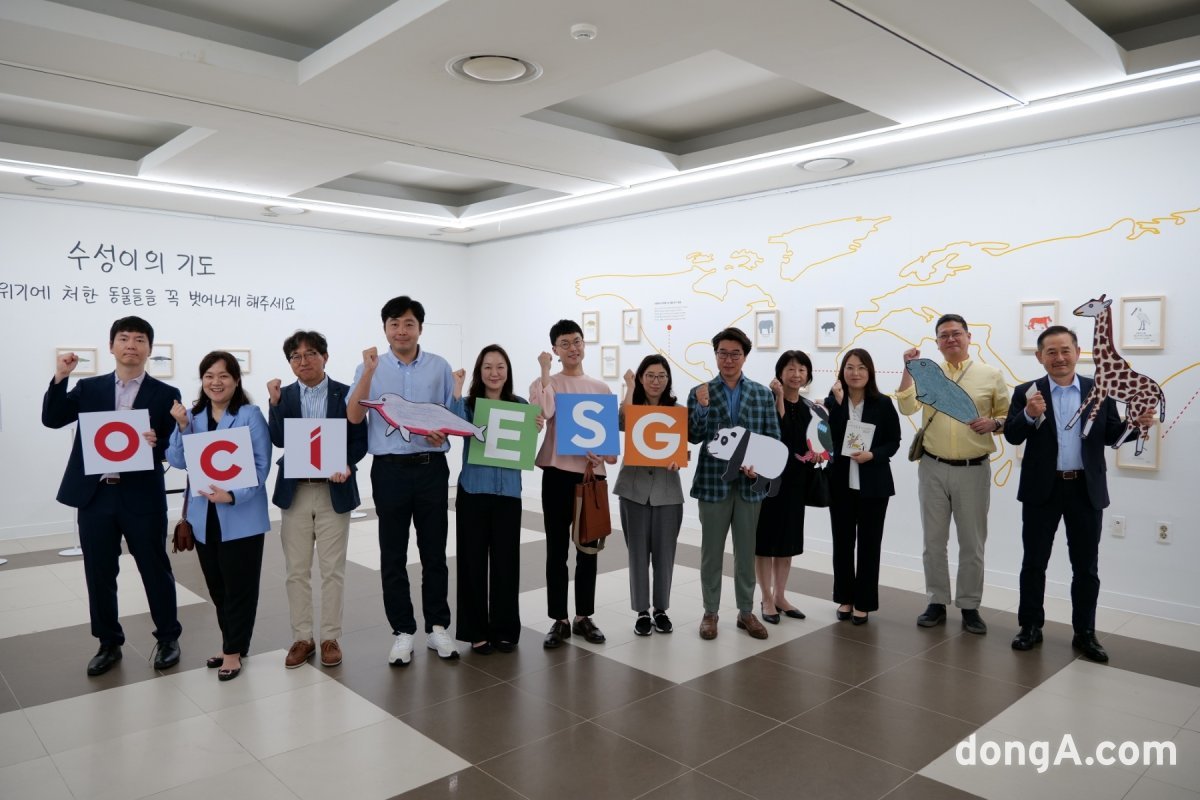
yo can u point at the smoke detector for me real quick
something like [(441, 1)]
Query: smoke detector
[(584, 32)]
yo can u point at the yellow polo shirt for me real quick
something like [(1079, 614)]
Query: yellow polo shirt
[(947, 437)]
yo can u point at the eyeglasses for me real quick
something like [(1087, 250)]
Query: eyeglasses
[(729, 355), (307, 355), (657, 377), (567, 344), (945, 337)]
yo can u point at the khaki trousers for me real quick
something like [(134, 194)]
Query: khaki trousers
[(312, 522), (964, 494)]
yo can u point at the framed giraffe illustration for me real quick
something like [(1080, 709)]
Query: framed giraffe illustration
[(1149, 458), (1143, 323)]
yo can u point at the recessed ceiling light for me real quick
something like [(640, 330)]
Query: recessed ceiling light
[(50, 180), (494, 69), (456, 230), (286, 211), (826, 164)]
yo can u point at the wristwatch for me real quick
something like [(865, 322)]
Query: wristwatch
[(999, 425)]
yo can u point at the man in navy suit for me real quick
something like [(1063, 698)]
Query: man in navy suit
[(128, 504), (316, 511), (1062, 479)]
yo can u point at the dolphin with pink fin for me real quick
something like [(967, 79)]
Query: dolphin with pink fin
[(408, 418)]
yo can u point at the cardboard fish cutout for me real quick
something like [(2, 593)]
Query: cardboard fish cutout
[(819, 437), (420, 418), (935, 389), (738, 446)]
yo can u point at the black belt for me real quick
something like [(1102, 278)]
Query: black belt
[(1070, 475), (111, 481), (409, 458), (958, 462), (313, 480)]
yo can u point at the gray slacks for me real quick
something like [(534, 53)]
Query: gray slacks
[(964, 494), (651, 533)]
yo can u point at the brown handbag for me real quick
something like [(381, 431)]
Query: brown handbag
[(184, 537), (591, 522)]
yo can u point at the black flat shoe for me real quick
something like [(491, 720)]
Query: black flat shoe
[(228, 674), (934, 615), (771, 618), (843, 616), (793, 613), (484, 649), (856, 620), (506, 647), (103, 661), (215, 662)]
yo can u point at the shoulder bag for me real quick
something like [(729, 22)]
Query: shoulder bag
[(591, 522), (184, 537)]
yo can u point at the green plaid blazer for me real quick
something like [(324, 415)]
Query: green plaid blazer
[(756, 414)]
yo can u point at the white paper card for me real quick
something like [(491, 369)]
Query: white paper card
[(315, 448), (858, 437), (222, 458), (1030, 392), (112, 441)]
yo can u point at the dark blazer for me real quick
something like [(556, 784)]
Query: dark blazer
[(1041, 444), (875, 476), (344, 496), (142, 490)]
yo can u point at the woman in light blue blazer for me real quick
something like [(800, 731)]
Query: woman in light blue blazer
[(229, 525)]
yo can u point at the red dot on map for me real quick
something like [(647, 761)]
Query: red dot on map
[(668, 327)]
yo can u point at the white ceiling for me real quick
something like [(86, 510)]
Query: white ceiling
[(347, 105)]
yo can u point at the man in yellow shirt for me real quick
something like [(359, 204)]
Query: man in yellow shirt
[(954, 477)]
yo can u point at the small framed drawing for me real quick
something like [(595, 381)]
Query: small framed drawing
[(242, 354), (161, 363), (610, 361), (1036, 316), (1151, 454), (829, 328), (1143, 323), (87, 356), (591, 326), (631, 325), (766, 329)]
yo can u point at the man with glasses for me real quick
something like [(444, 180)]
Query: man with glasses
[(954, 477), (316, 511), (728, 400)]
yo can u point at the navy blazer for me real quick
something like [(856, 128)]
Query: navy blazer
[(1040, 461), (874, 476), (343, 496), (143, 490)]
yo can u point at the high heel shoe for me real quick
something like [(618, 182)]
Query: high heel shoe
[(844, 616), (771, 618)]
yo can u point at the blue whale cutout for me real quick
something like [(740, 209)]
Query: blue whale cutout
[(935, 389)]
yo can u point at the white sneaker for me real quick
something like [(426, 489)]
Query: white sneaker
[(439, 640), (401, 652)]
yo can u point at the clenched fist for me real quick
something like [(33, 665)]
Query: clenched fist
[(273, 392)]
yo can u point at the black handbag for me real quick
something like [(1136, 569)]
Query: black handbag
[(816, 489)]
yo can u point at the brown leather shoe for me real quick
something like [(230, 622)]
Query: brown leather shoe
[(331, 654), (750, 624), (298, 653), (708, 625)]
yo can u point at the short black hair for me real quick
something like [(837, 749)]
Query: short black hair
[(564, 326), (732, 335), (130, 325), (944, 318), (399, 306), (800, 357), (1054, 330), (311, 338)]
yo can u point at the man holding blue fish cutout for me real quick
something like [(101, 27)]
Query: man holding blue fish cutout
[(963, 405)]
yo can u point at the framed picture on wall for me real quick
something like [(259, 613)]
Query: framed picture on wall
[(1150, 457), (631, 325), (591, 326), (1143, 323), (610, 361), (1036, 316), (829, 328), (242, 354), (766, 329), (87, 360), (161, 363)]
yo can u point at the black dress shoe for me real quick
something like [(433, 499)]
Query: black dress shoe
[(559, 633), (105, 657), (972, 622), (484, 649), (166, 654), (1027, 637), (1087, 644), (793, 613), (934, 615), (843, 616), (857, 620), (587, 629), (506, 647), (771, 618)]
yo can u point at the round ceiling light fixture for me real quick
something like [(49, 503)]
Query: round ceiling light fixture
[(826, 164), (456, 230), (285, 211), (494, 70), (52, 181)]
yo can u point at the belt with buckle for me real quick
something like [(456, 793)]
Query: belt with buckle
[(958, 462), (111, 481), (408, 458), (1070, 475)]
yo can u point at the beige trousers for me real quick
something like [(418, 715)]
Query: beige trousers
[(962, 494), (311, 521)]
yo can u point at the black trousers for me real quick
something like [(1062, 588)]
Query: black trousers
[(856, 520), (558, 507), (1069, 502), (102, 523), (488, 533), (418, 495), (232, 571)]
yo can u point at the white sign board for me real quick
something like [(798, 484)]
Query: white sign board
[(221, 458), (112, 441), (315, 448)]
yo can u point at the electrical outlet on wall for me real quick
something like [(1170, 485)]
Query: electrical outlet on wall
[(1163, 532), (1117, 525)]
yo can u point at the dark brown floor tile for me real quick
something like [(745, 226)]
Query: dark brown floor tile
[(887, 729), (8, 700), (835, 657), (993, 656), (900, 634), (590, 686), (918, 787), (946, 690), (529, 657), (693, 785), (1151, 658), (804, 767), (582, 763), (470, 784), (768, 687), (46, 680), (686, 725), (489, 722)]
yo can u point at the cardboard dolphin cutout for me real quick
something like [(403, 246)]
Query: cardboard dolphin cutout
[(935, 389), (738, 446), (420, 418)]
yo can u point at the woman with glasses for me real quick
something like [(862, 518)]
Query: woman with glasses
[(651, 506)]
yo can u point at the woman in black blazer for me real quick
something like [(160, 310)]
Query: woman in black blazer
[(860, 485)]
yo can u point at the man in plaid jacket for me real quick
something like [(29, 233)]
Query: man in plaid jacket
[(727, 401)]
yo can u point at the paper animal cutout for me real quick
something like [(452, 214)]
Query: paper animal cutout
[(1116, 379), (738, 446), (818, 437), (420, 418), (935, 389)]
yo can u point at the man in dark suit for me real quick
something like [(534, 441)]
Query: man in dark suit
[(1062, 478), (316, 511), (128, 504)]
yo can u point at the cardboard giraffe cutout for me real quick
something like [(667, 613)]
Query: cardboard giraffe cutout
[(1115, 378)]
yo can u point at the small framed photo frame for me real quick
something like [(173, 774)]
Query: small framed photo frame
[(829, 328), (591, 326), (242, 354), (88, 360), (766, 329), (610, 361), (1143, 323), (631, 325), (1151, 456), (161, 363), (1036, 316)]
